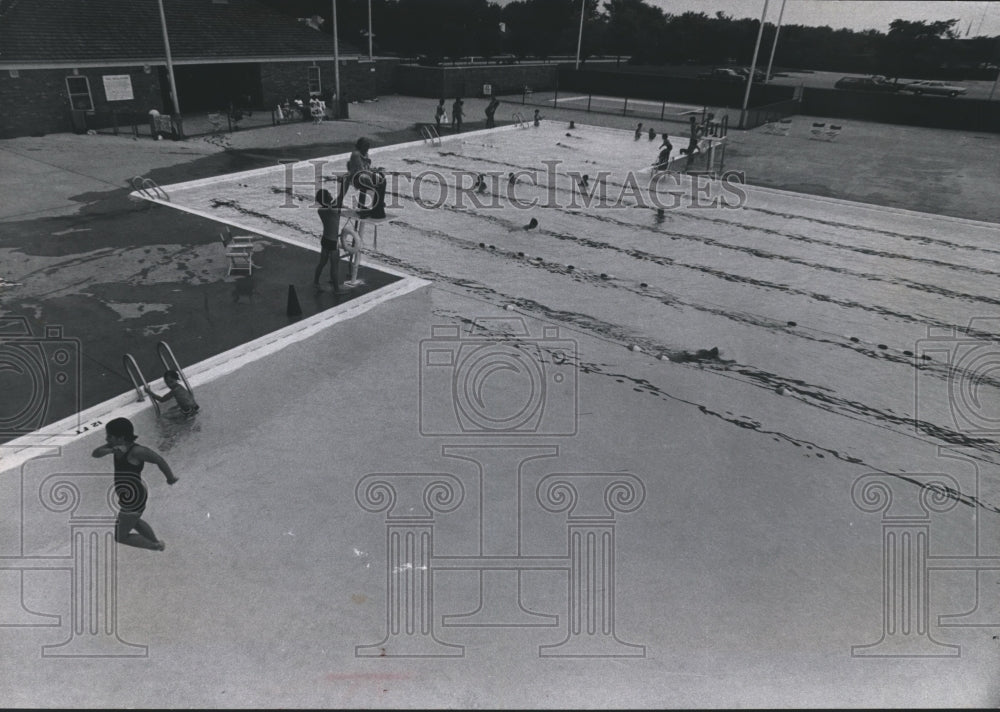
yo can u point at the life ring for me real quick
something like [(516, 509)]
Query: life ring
[(352, 247)]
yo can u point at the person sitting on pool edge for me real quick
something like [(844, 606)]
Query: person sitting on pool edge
[(177, 391)]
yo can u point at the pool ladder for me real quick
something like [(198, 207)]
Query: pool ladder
[(149, 188), (139, 381), (519, 120), (430, 134)]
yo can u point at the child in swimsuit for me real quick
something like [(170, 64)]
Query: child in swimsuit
[(177, 391), (129, 487)]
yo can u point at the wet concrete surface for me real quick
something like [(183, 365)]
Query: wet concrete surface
[(122, 275)]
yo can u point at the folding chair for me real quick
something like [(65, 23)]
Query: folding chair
[(244, 241), (239, 253), (784, 126), (818, 131), (833, 132)]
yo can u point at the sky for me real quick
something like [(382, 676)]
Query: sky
[(978, 18)]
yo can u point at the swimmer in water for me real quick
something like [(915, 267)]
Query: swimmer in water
[(177, 391)]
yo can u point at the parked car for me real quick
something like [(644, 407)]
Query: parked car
[(744, 72), (722, 74), (933, 87), (866, 84)]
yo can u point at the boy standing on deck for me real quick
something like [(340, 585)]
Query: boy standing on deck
[(177, 391), (329, 215), (439, 114), (491, 110)]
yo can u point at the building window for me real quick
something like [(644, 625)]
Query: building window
[(79, 93), (315, 87)]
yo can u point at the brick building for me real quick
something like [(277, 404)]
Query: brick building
[(74, 64)]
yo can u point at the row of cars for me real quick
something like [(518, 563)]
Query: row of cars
[(733, 74), (881, 84), (875, 83)]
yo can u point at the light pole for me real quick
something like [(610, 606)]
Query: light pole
[(170, 61), (336, 57), (753, 65), (579, 39), (767, 77), (370, 55)]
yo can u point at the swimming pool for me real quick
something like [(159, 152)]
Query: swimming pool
[(746, 570), (827, 298)]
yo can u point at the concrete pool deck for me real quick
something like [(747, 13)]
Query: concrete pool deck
[(744, 569)]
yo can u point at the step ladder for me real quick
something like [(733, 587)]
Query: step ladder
[(430, 134), (149, 189), (139, 381)]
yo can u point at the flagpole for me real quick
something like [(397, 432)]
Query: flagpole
[(753, 65), (170, 61), (579, 39), (767, 77)]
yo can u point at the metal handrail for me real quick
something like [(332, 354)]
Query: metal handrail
[(430, 134), (135, 374), (171, 363)]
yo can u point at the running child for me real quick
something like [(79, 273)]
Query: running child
[(129, 487)]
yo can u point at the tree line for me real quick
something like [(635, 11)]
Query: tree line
[(441, 30)]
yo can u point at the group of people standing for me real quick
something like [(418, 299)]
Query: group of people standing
[(458, 114), (662, 162), (371, 185)]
